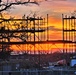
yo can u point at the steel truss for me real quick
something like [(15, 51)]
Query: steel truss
[(28, 30), (69, 33), (32, 33)]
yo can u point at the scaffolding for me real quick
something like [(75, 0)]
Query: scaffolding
[(31, 34), (26, 31), (69, 33)]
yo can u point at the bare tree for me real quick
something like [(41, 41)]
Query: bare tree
[(6, 4)]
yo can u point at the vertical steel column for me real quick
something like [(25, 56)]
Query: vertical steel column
[(72, 33), (63, 33), (44, 28), (27, 34), (34, 32), (69, 34), (74, 36), (66, 33), (47, 29)]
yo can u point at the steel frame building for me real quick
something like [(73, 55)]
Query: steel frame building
[(69, 33), (32, 32)]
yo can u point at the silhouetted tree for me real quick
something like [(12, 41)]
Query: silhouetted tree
[(4, 5), (4, 54)]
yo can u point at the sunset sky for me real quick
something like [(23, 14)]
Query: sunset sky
[(55, 9)]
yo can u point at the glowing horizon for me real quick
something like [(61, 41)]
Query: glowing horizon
[(55, 9)]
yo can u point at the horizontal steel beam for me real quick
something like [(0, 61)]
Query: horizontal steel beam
[(39, 42), (18, 31)]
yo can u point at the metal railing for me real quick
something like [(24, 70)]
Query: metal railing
[(40, 72)]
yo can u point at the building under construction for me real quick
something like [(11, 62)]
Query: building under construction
[(30, 34), (69, 33), (24, 33)]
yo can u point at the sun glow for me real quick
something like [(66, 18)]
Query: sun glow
[(54, 9)]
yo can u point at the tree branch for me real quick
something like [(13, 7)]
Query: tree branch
[(8, 5)]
